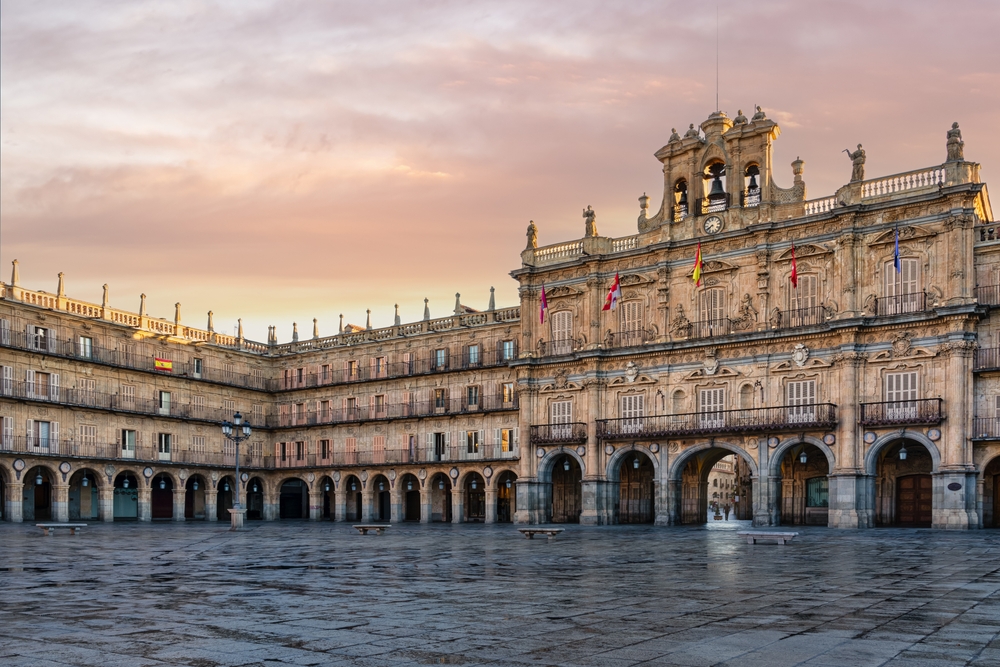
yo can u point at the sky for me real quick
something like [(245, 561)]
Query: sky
[(284, 160)]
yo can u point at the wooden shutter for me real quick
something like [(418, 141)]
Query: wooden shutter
[(562, 325), (54, 386), (901, 386), (53, 437), (713, 304), (8, 380), (561, 412), (30, 441), (29, 383), (631, 316), (8, 433)]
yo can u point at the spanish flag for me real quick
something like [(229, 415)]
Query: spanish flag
[(163, 365), (697, 267)]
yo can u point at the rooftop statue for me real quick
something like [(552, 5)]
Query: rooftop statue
[(673, 136), (692, 132), (591, 225), (740, 118), (759, 115), (956, 147), (858, 160), (532, 235)]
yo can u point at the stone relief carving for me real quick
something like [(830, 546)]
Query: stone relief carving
[(748, 315), (800, 354), (680, 326), (901, 344), (631, 371)]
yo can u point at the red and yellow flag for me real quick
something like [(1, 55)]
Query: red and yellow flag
[(163, 364), (697, 267)]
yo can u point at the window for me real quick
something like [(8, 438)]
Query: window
[(128, 440), (472, 442), (88, 438), (715, 482), (300, 451), (127, 396), (379, 405), (257, 450), (352, 370), (440, 359), (4, 332), (440, 399), (229, 372), (901, 395), (7, 381), (326, 374), (803, 303), (712, 403), (632, 407), (199, 366), (257, 377), (631, 323), (198, 405), (39, 384), (902, 288), (560, 416), (300, 377), (817, 492), (163, 446), (378, 449), (85, 347), (298, 413), (37, 338), (324, 449), (507, 439), (229, 406), (380, 366), (258, 415), (406, 407), (507, 392), (288, 378), (407, 363), (7, 434), (713, 311), (410, 445), (440, 446), (350, 451), (801, 399), (326, 411), (562, 332), (508, 351), (126, 353), (351, 407), (43, 435), (472, 397), (283, 451), (198, 444), (163, 402), (473, 356)]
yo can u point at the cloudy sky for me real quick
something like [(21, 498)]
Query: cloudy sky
[(282, 160)]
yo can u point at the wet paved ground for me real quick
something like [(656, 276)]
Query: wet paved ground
[(319, 594)]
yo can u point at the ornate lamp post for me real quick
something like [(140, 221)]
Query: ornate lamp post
[(237, 431)]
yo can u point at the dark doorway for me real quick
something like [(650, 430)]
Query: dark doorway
[(566, 490), (635, 491), (913, 501), (126, 497), (411, 498), (440, 498), (293, 502), (506, 492), (475, 496), (194, 498), (162, 497), (41, 497)]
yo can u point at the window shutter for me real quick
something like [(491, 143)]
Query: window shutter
[(517, 439), (29, 382), (31, 433), (8, 433), (482, 438), (447, 443), (4, 332), (8, 380), (29, 337), (54, 386), (997, 413), (53, 437), (498, 437)]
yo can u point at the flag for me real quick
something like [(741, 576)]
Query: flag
[(614, 294), (697, 267), (895, 255), (544, 306), (795, 270), (163, 365)]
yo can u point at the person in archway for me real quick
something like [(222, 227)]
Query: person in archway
[(726, 509)]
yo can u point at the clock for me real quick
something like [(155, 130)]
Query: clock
[(713, 224)]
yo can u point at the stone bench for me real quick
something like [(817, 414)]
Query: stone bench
[(364, 528), (531, 532), (73, 527), (779, 536)]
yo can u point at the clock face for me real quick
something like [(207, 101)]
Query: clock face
[(713, 224)]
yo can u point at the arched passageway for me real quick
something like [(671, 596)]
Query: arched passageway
[(3, 495), (567, 490), (352, 489), (126, 497), (381, 499), (293, 500), (710, 483), (161, 498), (636, 497), (84, 502), (903, 485), (440, 498), (194, 498), (326, 487), (254, 500), (991, 494), (475, 497), (224, 499), (37, 498), (506, 496), (805, 487), (411, 497)]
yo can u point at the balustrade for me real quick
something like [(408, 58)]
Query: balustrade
[(556, 434), (921, 411)]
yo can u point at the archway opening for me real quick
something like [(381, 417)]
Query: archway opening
[(381, 499), (475, 497), (161, 499), (326, 488), (3, 495), (37, 500), (903, 485), (293, 500), (636, 499), (506, 496), (84, 503), (352, 491), (411, 497), (567, 490), (991, 494), (194, 498), (224, 499), (805, 487), (126, 497), (441, 498), (254, 501), (716, 486)]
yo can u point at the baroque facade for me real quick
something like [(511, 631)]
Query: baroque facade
[(864, 395)]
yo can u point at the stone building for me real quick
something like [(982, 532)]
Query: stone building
[(863, 395)]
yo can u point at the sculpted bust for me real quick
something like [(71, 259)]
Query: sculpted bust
[(740, 118)]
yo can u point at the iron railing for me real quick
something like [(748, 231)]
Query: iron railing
[(558, 347), (714, 204), (680, 212), (557, 434), (630, 338), (363, 413), (799, 317), (986, 428), (901, 304), (988, 295), (750, 420), (708, 328), (750, 198), (920, 411), (987, 358)]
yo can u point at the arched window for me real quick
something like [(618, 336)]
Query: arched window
[(716, 196), (680, 200), (751, 186)]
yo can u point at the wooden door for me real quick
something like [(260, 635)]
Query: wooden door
[(635, 501), (566, 492), (913, 500)]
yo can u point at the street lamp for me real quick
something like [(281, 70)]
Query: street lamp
[(902, 453), (236, 432)]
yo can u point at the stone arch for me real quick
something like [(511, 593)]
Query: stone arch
[(774, 463), (613, 469), (141, 481), (677, 467), (177, 482), (53, 473), (500, 472), (545, 465), (871, 456), (464, 477), (981, 468), (96, 478)]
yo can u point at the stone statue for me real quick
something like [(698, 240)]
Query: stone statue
[(532, 236), (759, 115), (774, 321), (673, 136), (692, 133), (871, 305), (748, 314), (956, 146), (680, 326), (740, 118), (858, 160), (591, 225)]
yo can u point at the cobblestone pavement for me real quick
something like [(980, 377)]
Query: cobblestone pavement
[(320, 594)]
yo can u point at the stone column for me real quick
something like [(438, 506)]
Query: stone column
[(395, 504), (367, 502), (145, 507), (457, 505), (592, 510), (340, 504), (106, 503), (848, 496), (211, 503), (271, 510), (180, 495), (491, 504), (426, 505), (315, 505), (980, 484), (15, 502), (60, 503)]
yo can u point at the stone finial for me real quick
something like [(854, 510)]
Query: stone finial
[(427, 309), (295, 332), (341, 329), (532, 235), (61, 287), (177, 313), (368, 321), (644, 202), (956, 147), (493, 300), (104, 300), (395, 320), (239, 328), (211, 322), (315, 328), (15, 275), (458, 303), (142, 305), (797, 168)]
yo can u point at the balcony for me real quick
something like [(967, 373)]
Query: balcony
[(900, 304), (707, 328), (680, 211), (988, 295), (750, 198), (986, 428), (715, 204), (631, 338), (799, 317), (559, 434), (751, 420), (559, 347), (433, 407), (918, 412), (987, 359)]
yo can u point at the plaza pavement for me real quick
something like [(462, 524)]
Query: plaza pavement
[(297, 593)]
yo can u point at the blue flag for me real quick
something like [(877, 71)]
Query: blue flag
[(895, 255)]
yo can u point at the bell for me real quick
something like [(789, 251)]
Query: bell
[(684, 197), (753, 182), (717, 190)]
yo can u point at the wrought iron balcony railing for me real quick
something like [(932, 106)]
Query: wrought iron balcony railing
[(680, 212), (799, 317), (987, 428), (714, 204), (921, 411), (363, 413), (707, 328), (631, 338), (559, 347), (988, 295), (558, 434), (750, 198), (751, 420), (986, 359), (900, 304)]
